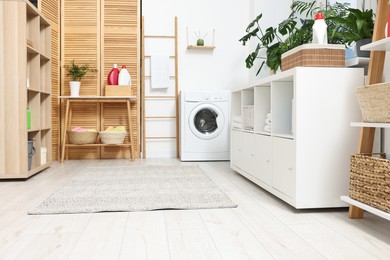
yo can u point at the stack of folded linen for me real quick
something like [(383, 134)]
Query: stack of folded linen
[(267, 121), (237, 122)]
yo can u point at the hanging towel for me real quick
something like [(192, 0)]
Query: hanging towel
[(159, 71)]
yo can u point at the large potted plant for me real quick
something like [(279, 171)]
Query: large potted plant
[(295, 31), (77, 72)]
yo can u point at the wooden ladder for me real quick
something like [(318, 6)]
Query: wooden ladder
[(375, 75)]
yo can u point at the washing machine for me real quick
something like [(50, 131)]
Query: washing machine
[(204, 125)]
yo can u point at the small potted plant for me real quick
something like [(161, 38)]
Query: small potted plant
[(76, 73), (200, 39)]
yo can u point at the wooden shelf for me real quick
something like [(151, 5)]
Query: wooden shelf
[(94, 145), (381, 45), (200, 47), (366, 207), (362, 124), (31, 50)]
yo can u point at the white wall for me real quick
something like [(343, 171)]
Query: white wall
[(273, 14), (222, 68)]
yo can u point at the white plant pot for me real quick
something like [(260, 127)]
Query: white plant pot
[(74, 88)]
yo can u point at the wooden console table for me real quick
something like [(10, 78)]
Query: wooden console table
[(95, 99)]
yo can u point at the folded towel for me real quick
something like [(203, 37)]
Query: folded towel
[(159, 71), (267, 121), (268, 115), (237, 119), (267, 128)]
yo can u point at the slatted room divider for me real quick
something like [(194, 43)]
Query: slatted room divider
[(100, 33)]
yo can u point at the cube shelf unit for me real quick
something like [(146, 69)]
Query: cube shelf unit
[(25, 75), (304, 160)]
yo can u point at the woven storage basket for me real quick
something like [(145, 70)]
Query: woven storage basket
[(374, 101), (314, 55), (370, 181), (82, 137), (112, 137), (247, 118)]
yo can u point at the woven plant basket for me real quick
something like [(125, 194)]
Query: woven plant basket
[(82, 137), (112, 137), (370, 181), (374, 101)]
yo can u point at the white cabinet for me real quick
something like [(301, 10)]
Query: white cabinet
[(303, 158)]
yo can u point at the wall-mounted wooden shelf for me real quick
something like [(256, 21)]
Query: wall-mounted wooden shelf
[(200, 47)]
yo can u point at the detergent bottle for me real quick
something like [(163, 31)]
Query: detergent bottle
[(320, 34)]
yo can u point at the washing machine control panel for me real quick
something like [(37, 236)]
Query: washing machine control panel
[(207, 96)]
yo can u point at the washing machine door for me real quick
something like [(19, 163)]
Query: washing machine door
[(206, 121)]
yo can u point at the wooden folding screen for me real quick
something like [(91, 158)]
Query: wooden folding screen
[(120, 44), (100, 33), (51, 10)]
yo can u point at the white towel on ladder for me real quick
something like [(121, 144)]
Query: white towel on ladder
[(159, 71)]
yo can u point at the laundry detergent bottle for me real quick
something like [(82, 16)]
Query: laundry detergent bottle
[(320, 34), (124, 77), (112, 78)]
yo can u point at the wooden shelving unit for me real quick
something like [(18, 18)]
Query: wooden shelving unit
[(25, 78), (69, 101), (378, 49)]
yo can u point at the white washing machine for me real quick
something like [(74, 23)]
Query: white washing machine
[(204, 125)]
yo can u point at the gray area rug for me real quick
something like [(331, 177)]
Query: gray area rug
[(135, 188)]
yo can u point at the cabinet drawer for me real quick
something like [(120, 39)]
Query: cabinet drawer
[(263, 159), (284, 177), (248, 153), (236, 148)]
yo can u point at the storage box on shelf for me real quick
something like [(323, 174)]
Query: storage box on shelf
[(303, 157), (314, 55), (116, 90), (370, 181), (374, 101), (26, 66)]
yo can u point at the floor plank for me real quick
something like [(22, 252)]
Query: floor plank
[(145, 237), (188, 236)]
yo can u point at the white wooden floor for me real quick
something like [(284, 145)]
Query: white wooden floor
[(261, 227)]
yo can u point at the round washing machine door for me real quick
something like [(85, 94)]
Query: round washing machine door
[(206, 121)]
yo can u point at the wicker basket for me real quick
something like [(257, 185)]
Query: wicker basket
[(374, 101), (314, 55), (88, 137), (370, 181), (112, 137), (247, 119)]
